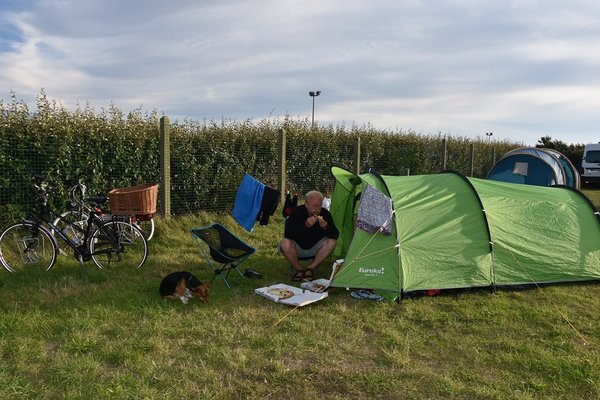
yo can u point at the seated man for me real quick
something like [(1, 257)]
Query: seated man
[(309, 232)]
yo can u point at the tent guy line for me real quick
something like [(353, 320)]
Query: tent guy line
[(562, 315)]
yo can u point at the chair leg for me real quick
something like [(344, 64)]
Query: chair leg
[(223, 273), (228, 268), (239, 272), (224, 277), (226, 283)]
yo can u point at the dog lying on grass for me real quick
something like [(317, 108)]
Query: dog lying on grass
[(182, 285)]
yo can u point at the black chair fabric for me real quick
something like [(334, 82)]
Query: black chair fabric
[(218, 245)]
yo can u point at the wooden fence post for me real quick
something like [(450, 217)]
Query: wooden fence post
[(165, 168), (282, 174), (444, 153), (471, 159), (357, 155)]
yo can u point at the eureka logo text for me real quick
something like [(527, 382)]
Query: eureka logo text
[(371, 271)]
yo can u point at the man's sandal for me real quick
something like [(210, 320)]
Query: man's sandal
[(298, 276), (309, 274)]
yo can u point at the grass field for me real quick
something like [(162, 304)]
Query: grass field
[(593, 195), (84, 333)]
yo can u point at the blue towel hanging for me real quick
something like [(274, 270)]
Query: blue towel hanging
[(247, 202)]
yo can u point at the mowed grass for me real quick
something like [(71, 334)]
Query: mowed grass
[(593, 194), (84, 333)]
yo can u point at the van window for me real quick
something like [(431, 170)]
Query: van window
[(592, 156)]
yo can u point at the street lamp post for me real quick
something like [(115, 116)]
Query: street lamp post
[(313, 94), (489, 135)]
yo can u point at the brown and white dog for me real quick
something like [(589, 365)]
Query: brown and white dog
[(182, 285)]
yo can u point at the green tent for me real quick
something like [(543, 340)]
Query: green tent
[(449, 231)]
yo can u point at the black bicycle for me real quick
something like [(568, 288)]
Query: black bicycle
[(32, 243), (80, 210)]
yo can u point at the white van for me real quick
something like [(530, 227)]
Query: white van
[(590, 163)]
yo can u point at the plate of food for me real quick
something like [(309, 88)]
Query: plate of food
[(319, 285), (289, 295), (280, 293)]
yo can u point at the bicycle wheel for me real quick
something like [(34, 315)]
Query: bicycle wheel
[(27, 246), (147, 228), (78, 219), (117, 243)]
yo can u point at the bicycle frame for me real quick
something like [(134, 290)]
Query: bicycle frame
[(104, 240), (82, 206), (94, 222)]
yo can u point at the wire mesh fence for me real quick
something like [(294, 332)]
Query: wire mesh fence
[(206, 161)]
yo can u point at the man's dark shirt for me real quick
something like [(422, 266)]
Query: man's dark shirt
[(308, 237)]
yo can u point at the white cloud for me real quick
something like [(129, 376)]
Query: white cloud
[(522, 69)]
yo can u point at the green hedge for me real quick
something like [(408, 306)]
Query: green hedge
[(109, 148)]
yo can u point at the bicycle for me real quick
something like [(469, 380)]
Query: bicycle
[(81, 208), (33, 242)]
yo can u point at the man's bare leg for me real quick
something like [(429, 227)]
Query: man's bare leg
[(288, 249), (323, 253)]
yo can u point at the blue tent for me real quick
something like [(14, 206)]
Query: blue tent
[(536, 166)]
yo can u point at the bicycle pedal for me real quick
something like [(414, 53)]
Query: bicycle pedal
[(83, 257)]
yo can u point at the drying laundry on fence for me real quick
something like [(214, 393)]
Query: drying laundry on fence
[(254, 201), (247, 202), (268, 205), (289, 204)]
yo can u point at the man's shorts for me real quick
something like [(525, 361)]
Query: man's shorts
[(307, 253)]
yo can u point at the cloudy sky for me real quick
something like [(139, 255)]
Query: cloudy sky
[(520, 69)]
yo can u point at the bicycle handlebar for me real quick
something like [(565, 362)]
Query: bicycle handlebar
[(40, 187)]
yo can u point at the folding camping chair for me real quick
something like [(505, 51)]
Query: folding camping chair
[(222, 250)]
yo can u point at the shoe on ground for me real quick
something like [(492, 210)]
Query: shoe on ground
[(250, 273)]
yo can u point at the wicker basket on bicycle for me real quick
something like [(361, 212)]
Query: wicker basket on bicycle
[(137, 200)]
